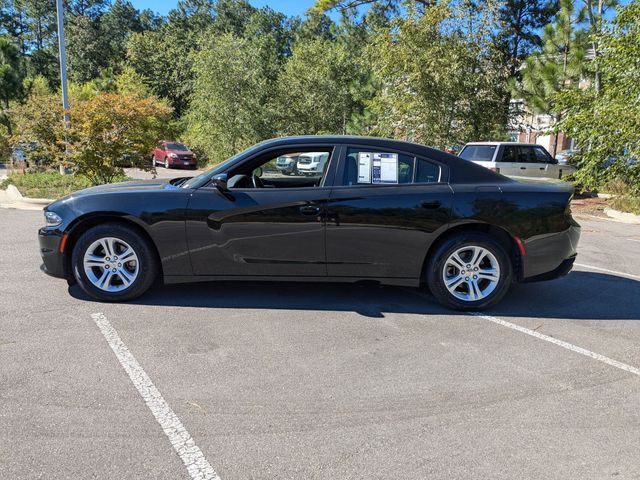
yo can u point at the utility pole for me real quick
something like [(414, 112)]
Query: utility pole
[(63, 76)]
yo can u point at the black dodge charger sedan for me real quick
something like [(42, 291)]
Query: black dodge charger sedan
[(374, 210)]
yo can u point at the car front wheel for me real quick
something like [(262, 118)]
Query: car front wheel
[(471, 271), (112, 262)]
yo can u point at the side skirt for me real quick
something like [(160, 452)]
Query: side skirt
[(173, 279)]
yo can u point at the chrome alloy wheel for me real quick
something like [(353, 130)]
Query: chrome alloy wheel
[(471, 273), (111, 264)]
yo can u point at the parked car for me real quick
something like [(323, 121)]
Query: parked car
[(173, 154), (288, 164), (312, 163), (30, 154), (388, 211), (566, 157), (515, 159)]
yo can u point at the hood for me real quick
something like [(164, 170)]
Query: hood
[(180, 152), (135, 186)]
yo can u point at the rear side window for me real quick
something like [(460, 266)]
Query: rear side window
[(478, 153), (369, 167), (510, 154)]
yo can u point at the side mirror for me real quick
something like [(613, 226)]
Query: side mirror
[(220, 182)]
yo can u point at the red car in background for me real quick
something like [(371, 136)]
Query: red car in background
[(173, 154)]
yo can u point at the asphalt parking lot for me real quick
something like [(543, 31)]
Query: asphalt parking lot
[(308, 381)]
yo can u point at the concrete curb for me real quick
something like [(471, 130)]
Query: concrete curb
[(622, 216), (15, 195)]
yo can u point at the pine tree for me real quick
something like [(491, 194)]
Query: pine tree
[(559, 65)]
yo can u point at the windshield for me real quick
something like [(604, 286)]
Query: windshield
[(221, 167), (177, 146), (478, 153)]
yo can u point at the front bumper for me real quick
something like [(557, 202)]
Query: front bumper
[(52, 259), (550, 256), (187, 163)]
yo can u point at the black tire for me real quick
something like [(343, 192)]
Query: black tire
[(166, 164), (437, 264), (148, 267)]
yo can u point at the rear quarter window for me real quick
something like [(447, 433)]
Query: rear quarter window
[(478, 153)]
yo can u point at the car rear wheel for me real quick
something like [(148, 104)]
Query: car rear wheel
[(471, 271), (114, 263)]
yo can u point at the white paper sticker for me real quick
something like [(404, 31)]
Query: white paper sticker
[(364, 167), (388, 167)]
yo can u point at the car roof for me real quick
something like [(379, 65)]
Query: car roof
[(461, 171), (504, 143), (379, 142)]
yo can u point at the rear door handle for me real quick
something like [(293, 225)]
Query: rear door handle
[(310, 210), (523, 168), (430, 204)]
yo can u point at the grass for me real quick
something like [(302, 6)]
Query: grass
[(45, 184), (626, 204)]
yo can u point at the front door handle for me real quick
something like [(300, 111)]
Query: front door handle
[(430, 204), (523, 168), (310, 210)]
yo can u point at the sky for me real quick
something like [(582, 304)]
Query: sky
[(289, 7)]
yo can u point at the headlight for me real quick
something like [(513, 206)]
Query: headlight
[(52, 219), (173, 155)]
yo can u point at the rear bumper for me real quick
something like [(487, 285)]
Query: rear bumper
[(550, 256), (52, 259)]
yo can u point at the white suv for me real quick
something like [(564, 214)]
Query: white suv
[(515, 159), (312, 163)]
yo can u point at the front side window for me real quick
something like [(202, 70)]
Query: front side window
[(284, 169), (542, 156), (373, 167)]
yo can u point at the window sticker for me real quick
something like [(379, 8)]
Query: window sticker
[(385, 168), (377, 167), (364, 167)]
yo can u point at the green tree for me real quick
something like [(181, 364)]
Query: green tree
[(437, 83), (230, 108), (11, 80), (606, 124), (109, 127), (559, 65), (317, 86)]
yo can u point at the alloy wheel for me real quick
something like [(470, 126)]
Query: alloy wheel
[(111, 264), (471, 273)]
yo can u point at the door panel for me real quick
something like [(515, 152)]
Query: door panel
[(545, 165), (384, 231), (258, 232)]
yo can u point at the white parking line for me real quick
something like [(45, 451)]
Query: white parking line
[(561, 343), (547, 338), (193, 458), (620, 274)]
